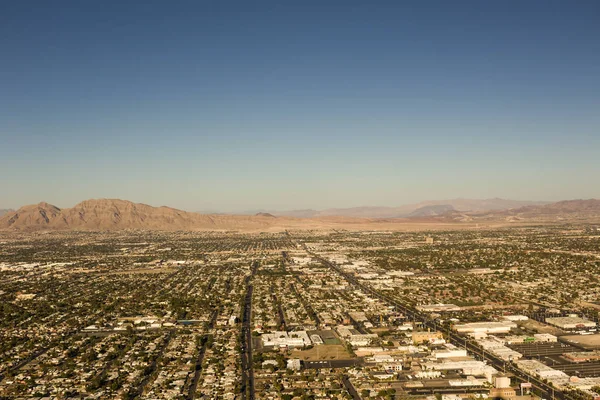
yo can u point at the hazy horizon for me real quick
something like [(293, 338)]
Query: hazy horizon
[(273, 106), (262, 209)]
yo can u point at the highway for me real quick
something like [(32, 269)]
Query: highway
[(543, 388)]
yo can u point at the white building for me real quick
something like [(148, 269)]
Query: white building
[(485, 327), (294, 364), (470, 381), (438, 307), (449, 351), (501, 382), (515, 318), (468, 367), (283, 339), (496, 346), (540, 369), (428, 374), (344, 330), (545, 337), (571, 322), (362, 340)]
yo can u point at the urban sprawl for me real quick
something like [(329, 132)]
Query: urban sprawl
[(438, 315)]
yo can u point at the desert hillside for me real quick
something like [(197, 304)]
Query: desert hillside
[(106, 214), (112, 214), (430, 207)]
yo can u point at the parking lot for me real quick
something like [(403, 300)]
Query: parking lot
[(542, 349), (587, 342), (582, 370), (332, 364)]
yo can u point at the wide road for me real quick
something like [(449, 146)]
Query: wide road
[(246, 339), (350, 388), (545, 389), (200, 357), (139, 390), (204, 341), (280, 313)]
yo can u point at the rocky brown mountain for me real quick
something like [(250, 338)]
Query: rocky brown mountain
[(108, 214)]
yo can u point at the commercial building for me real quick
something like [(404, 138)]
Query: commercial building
[(515, 318), (518, 339), (486, 327), (545, 337), (283, 339), (496, 346), (540, 369), (469, 367), (426, 337), (583, 356), (501, 381), (362, 340), (450, 351), (571, 322), (469, 381), (503, 393), (294, 364), (438, 307)]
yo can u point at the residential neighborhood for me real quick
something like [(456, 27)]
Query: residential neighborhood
[(298, 315)]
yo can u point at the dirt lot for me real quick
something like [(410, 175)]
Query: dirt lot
[(322, 352), (588, 342), (141, 271), (532, 324)]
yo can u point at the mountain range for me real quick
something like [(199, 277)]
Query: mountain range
[(111, 214), (4, 211), (114, 214), (408, 210)]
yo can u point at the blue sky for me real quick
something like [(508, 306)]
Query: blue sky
[(233, 106)]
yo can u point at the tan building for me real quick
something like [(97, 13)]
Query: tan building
[(503, 393)]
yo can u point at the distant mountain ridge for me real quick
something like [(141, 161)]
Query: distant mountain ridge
[(403, 211), (5, 211), (264, 214), (585, 208), (428, 211), (567, 210), (114, 214)]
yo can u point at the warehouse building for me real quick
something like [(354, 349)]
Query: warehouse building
[(486, 327), (571, 322)]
